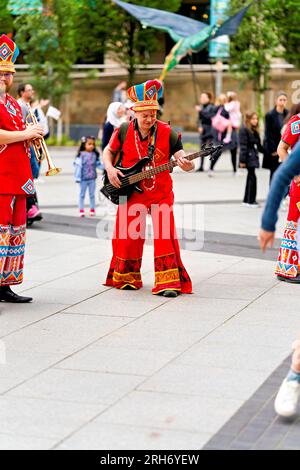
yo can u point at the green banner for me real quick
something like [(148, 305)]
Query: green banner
[(25, 7)]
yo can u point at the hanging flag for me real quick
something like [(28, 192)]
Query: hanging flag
[(186, 46), (190, 35), (164, 20)]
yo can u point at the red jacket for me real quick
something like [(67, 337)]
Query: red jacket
[(15, 171), (134, 149)]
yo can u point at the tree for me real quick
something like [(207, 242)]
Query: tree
[(92, 30), (49, 46), (286, 17), (129, 42), (6, 19), (254, 45)]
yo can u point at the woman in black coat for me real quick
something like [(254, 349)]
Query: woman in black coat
[(206, 111), (273, 124), (250, 146)]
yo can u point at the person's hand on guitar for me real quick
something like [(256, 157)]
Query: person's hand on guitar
[(112, 174), (183, 163)]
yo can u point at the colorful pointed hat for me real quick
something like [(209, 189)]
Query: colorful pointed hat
[(9, 52), (145, 96)]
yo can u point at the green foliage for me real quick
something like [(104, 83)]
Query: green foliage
[(48, 43), (6, 19), (270, 29), (286, 18), (65, 141), (254, 45)]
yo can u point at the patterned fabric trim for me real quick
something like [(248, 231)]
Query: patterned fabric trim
[(28, 187), (129, 278), (171, 275), (288, 259), (12, 247), (125, 272)]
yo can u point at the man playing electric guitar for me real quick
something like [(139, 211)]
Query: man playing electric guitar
[(146, 135)]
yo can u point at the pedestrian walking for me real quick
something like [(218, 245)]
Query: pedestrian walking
[(119, 93), (222, 129), (26, 98), (115, 115), (274, 122), (206, 110), (250, 146)]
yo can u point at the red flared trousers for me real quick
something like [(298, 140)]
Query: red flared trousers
[(12, 238), (128, 242)]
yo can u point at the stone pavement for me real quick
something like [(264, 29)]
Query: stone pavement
[(88, 367)]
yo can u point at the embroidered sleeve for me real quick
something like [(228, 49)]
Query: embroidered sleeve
[(291, 134)]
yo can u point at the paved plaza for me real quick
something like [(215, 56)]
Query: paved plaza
[(88, 367)]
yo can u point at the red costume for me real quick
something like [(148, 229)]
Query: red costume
[(288, 259), (15, 180), (157, 200)]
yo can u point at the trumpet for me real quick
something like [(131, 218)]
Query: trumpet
[(39, 146)]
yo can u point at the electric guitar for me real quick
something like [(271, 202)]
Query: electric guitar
[(134, 174)]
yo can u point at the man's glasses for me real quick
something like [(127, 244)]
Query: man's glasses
[(5, 74)]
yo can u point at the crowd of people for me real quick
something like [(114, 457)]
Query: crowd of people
[(222, 121), (131, 132)]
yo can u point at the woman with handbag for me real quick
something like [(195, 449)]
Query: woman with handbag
[(206, 111), (221, 127), (250, 146)]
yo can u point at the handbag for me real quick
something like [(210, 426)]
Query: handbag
[(219, 122)]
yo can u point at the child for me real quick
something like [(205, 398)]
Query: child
[(86, 162)]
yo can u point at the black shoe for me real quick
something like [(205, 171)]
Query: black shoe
[(128, 287), (291, 280), (169, 293), (7, 295), (200, 169)]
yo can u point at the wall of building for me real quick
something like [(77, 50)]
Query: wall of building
[(90, 98)]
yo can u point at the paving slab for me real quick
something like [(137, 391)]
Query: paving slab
[(88, 366)]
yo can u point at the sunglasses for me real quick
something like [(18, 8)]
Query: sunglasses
[(5, 74)]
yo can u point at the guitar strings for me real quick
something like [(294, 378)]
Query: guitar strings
[(126, 180)]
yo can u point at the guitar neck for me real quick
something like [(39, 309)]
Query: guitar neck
[(167, 166)]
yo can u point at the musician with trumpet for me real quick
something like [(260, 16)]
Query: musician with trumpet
[(16, 182)]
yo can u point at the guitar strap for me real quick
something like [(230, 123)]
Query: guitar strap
[(122, 136)]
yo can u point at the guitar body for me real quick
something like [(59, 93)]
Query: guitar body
[(138, 171), (122, 194)]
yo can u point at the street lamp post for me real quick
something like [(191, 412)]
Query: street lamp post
[(219, 78)]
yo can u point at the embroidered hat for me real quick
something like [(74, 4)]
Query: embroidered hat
[(9, 52), (145, 95)]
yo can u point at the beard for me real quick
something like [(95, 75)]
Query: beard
[(4, 88)]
